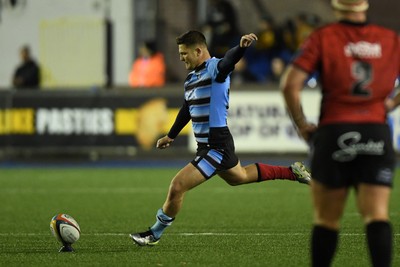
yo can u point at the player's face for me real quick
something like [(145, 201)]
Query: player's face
[(189, 55)]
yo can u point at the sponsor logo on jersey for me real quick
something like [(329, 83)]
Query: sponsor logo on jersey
[(350, 146), (363, 50)]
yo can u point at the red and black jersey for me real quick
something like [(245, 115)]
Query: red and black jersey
[(357, 66)]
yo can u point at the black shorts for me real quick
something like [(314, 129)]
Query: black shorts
[(344, 155), (210, 159)]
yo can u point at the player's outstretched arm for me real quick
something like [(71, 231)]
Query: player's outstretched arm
[(233, 55)]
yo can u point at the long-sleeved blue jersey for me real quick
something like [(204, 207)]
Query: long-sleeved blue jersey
[(206, 99)]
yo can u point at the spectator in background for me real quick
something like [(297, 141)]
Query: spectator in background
[(296, 30), (268, 47), (148, 70), (294, 34), (27, 74), (224, 30)]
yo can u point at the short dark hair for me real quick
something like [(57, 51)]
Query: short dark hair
[(151, 45), (191, 37), (26, 49)]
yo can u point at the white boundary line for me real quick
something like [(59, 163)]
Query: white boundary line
[(189, 234)]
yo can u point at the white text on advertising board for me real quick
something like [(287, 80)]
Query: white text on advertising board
[(74, 121)]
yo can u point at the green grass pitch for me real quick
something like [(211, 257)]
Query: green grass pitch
[(265, 224)]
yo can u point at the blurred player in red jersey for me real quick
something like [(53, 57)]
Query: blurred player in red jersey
[(357, 63)]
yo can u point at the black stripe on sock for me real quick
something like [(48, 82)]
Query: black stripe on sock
[(258, 173)]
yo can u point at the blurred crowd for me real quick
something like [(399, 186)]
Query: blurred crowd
[(265, 61)]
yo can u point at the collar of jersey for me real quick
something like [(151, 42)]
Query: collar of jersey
[(348, 22), (200, 67)]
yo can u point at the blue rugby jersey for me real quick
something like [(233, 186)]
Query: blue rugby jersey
[(207, 99)]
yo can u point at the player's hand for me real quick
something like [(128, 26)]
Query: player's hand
[(390, 104), (164, 142), (306, 131), (248, 39)]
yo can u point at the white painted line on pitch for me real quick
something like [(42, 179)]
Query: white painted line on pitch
[(237, 234), (190, 234), (137, 190)]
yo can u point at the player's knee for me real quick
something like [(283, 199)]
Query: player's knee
[(327, 221), (176, 189), (377, 216)]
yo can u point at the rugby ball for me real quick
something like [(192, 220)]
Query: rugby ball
[(65, 228)]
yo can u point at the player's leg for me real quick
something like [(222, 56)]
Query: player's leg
[(373, 204), (328, 204), (186, 179), (238, 174), (373, 193), (259, 172), (230, 169), (329, 187)]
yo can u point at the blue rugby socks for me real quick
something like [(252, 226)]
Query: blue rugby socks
[(163, 221)]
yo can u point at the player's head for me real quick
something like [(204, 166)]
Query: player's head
[(193, 50), (350, 5), (191, 38), (148, 48), (25, 53)]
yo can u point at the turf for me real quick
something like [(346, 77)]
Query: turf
[(266, 224)]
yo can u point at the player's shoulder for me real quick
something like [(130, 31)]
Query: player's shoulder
[(337, 27), (212, 63), (327, 28), (383, 29), (323, 30), (212, 60)]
